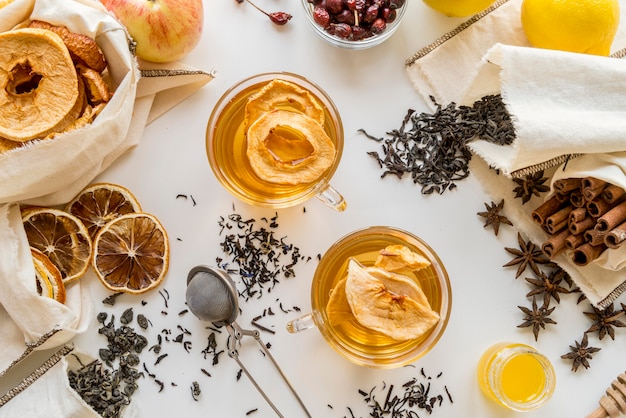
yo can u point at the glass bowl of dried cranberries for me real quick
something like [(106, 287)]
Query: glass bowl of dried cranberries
[(354, 24)]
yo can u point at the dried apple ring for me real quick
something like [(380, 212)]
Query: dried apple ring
[(82, 48), (288, 148), (280, 94), (34, 109)]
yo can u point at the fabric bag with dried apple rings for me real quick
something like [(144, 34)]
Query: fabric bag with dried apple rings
[(50, 172)]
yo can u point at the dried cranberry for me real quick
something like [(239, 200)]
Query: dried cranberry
[(370, 14), (359, 33), (350, 4), (360, 5), (388, 14), (321, 16), (346, 16), (378, 26), (341, 30), (334, 6), (279, 18)]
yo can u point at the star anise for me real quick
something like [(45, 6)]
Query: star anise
[(580, 354), (605, 321), (492, 216), (548, 285), (532, 184), (528, 255), (538, 317)]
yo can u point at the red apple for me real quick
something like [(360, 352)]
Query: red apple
[(164, 30)]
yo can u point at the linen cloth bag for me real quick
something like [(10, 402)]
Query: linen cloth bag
[(52, 172), (567, 109)]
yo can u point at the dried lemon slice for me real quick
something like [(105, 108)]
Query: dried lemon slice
[(62, 237), (388, 304), (288, 148), (400, 259), (48, 277), (100, 203), (281, 94), (131, 253)]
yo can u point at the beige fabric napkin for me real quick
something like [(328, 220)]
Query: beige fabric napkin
[(50, 173), (562, 104)]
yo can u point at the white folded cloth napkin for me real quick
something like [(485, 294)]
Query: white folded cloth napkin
[(52, 172), (562, 104)]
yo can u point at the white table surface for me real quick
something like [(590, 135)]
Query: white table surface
[(371, 91)]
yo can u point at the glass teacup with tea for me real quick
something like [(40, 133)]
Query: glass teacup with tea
[(380, 297), (275, 140)]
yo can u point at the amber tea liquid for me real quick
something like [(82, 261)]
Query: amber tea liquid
[(363, 345), (226, 147)]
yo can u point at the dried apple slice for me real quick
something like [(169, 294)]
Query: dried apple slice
[(338, 309), (34, 109), (400, 259), (281, 94), (382, 304), (288, 148)]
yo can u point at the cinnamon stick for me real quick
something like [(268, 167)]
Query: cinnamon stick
[(574, 241), (612, 193), (612, 218), (592, 187), (547, 208), (557, 218), (577, 228), (586, 253), (598, 207), (577, 214), (616, 236), (577, 199), (567, 185), (594, 237), (555, 244)]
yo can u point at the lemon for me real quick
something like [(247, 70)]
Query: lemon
[(584, 26), (459, 8)]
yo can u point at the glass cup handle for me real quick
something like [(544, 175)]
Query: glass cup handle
[(332, 198), (301, 324)]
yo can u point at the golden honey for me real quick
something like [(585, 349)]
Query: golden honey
[(516, 376), (363, 345), (226, 146)]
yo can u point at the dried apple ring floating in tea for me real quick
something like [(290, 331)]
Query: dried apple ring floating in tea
[(280, 94), (383, 297), (391, 304), (289, 148)]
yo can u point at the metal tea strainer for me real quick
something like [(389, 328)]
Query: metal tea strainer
[(212, 296)]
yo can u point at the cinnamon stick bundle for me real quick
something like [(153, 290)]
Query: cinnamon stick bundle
[(586, 216)]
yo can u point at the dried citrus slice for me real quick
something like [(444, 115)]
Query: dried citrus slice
[(400, 259), (131, 253), (47, 277), (100, 203), (62, 237), (387, 304)]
